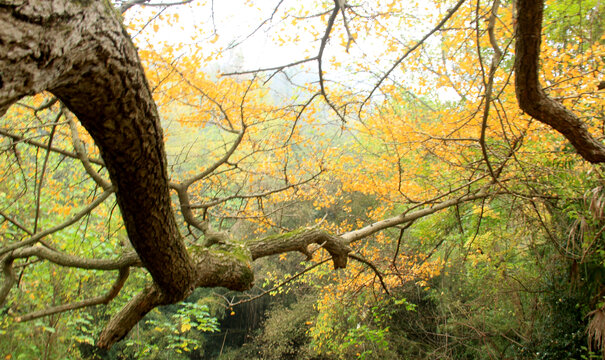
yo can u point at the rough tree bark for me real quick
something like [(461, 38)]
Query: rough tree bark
[(530, 95), (79, 51)]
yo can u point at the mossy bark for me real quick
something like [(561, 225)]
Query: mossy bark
[(300, 240)]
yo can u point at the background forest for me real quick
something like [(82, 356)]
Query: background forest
[(398, 115)]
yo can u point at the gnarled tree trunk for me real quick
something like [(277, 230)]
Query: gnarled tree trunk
[(79, 51)]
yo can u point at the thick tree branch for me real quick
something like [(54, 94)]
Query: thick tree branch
[(10, 278), (300, 240), (80, 52), (530, 95), (229, 268), (121, 323), (366, 231)]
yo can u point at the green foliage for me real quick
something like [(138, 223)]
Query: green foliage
[(85, 329), (521, 270), (560, 331), (359, 328), (284, 334), (171, 335), (575, 20)]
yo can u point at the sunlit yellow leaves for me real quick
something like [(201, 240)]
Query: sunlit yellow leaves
[(60, 210), (186, 326)]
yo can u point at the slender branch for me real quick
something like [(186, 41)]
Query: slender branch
[(288, 280), (185, 205), (15, 222), (342, 4), (298, 116), (355, 235), (40, 235), (103, 299), (322, 46), (490, 82), (374, 268), (399, 239), (41, 145), (46, 105), (44, 166), (81, 152), (447, 16), (67, 260), (126, 5), (160, 4), (274, 68), (251, 196), (244, 39), (230, 151)]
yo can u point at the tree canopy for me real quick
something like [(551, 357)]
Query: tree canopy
[(364, 134)]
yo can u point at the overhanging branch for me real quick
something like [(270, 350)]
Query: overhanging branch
[(530, 94)]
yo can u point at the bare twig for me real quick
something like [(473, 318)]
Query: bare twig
[(40, 235), (103, 299), (41, 145), (447, 16), (373, 267), (15, 222), (251, 196), (44, 165), (285, 282), (81, 152)]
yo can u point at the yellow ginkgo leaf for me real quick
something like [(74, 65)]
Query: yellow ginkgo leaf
[(185, 327)]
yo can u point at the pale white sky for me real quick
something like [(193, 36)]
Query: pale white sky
[(235, 20)]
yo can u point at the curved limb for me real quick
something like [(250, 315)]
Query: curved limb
[(530, 94)]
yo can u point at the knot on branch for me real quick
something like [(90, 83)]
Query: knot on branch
[(300, 240), (228, 265)]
